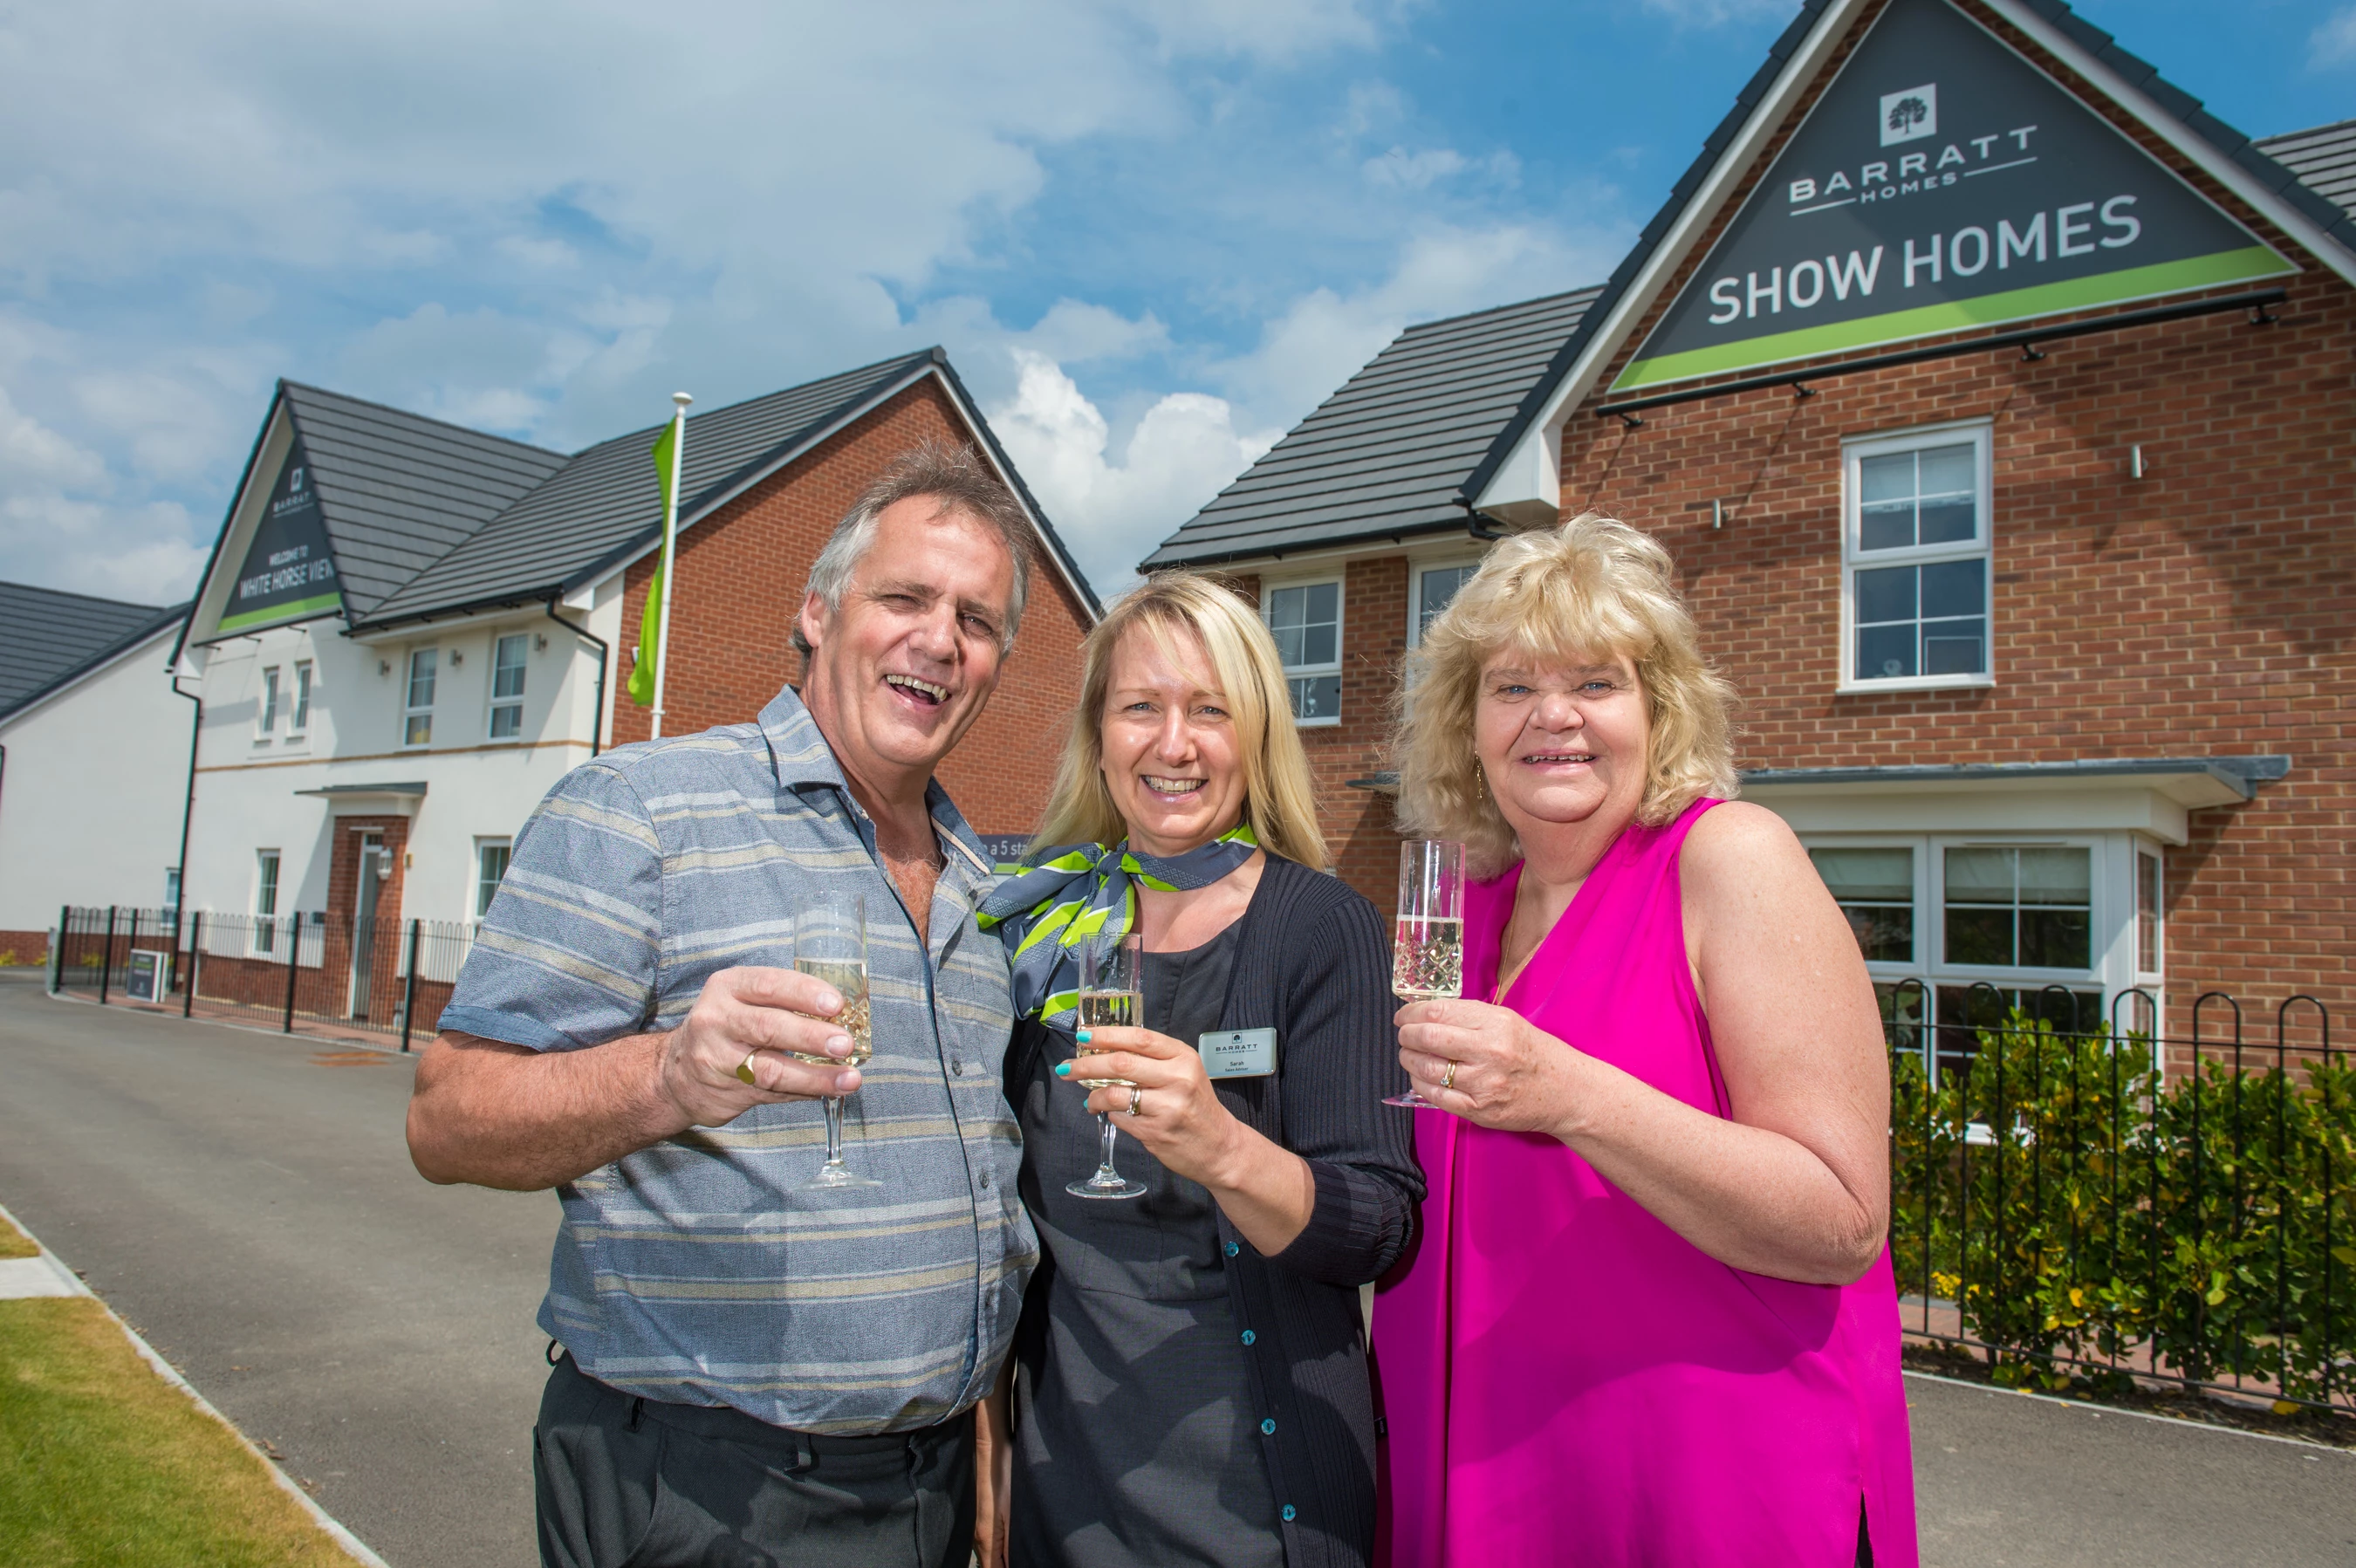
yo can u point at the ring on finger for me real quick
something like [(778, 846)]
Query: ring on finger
[(744, 1067), (1136, 1098), (1448, 1078)]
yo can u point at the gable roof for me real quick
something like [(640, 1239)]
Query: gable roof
[(2101, 50), (2324, 159), (1386, 454), (56, 637), (604, 507)]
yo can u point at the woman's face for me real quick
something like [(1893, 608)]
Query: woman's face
[(1562, 744), (1171, 757)]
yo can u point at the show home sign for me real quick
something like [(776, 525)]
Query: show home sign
[(1941, 182), (289, 571)]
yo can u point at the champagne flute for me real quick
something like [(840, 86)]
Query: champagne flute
[(831, 944), (1112, 996), (1427, 945)]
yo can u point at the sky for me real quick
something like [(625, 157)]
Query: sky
[(1151, 234)]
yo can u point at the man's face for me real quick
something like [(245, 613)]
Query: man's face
[(904, 667)]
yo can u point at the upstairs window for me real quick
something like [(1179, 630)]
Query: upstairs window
[(1306, 618), (1915, 544), (1435, 588), (267, 721), (300, 719), (506, 686), (417, 715)]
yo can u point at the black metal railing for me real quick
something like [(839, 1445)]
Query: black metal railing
[(2111, 1203), (316, 973)]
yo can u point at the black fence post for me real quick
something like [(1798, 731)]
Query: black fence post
[(196, 936), (106, 957), (58, 952), (409, 990), (293, 961)]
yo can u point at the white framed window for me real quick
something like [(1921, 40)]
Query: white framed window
[(1431, 587), (507, 659), (298, 719), (2151, 918), (491, 869), (1879, 887), (1915, 560), (266, 721), (2022, 909), (1306, 618), (417, 705), (265, 900)]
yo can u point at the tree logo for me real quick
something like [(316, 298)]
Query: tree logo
[(1909, 115)]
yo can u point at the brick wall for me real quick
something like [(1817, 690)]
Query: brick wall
[(741, 575), (2207, 608)]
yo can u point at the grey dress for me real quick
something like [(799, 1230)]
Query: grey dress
[(1137, 1442)]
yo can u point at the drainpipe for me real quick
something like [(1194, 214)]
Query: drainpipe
[(596, 719), (187, 808), (1475, 524)]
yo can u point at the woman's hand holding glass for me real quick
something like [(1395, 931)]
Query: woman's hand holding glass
[(1492, 1067), (1178, 1117)]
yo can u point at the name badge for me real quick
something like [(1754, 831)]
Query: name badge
[(1238, 1053)]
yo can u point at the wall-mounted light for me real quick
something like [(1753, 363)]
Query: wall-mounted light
[(457, 658), (539, 642), (1716, 513), (2135, 461), (384, 667)]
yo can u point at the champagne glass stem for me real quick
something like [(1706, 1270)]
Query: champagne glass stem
[(1110, 1132), (833, 1133)]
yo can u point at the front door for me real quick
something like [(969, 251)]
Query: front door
[(374, 870)]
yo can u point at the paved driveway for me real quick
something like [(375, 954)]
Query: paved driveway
[(246, 1201)]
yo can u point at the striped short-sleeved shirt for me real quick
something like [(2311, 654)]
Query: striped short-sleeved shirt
[(699, 1269)]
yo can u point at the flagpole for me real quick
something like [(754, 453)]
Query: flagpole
[(671, 542)]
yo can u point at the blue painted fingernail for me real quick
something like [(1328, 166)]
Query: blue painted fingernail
[(1062, 1069), (1082, 1036)]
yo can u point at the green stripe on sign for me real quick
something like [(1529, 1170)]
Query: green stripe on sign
[(2244, 266), (276, 613)]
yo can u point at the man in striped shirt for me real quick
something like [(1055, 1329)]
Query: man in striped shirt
[(755, 1371)]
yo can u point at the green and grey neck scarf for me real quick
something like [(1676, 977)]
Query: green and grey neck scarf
[(1043, 911)]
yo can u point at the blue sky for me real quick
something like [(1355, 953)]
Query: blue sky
[(1152, 233)]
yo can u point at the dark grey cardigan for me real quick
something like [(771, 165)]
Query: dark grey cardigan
[(1313, 962)]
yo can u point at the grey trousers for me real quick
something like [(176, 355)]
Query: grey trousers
[(625, 1482)]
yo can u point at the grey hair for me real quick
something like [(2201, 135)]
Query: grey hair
[(954, 475)]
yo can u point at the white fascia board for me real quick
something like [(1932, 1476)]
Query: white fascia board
[(144, 645), (2158, 804), (1798, 73), (2195, 148), (427, 630)]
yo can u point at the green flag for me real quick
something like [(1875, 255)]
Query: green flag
[(650, 627)]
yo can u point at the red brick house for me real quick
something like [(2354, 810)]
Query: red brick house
[(1995, 404)]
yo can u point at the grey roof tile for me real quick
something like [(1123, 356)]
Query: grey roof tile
[(2324, 159), (398, 491), (605, 502), (53, 637), (1389, 452)]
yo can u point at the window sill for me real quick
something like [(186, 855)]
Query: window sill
[(1914, 683), (1332, 723)]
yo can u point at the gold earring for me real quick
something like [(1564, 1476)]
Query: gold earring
[(1480, 783)]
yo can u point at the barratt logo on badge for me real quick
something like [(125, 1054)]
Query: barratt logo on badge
[(1909, 115)]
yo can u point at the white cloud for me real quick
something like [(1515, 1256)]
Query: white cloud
[(60, 527), (1718, 13), (2334, 40), (1400, 167), (1112, 513)]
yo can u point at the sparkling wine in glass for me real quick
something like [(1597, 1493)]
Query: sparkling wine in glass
[(831, 944), (1428, 944), (1112, 996)]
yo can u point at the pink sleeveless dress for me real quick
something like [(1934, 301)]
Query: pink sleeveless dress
[(1565, 1379)]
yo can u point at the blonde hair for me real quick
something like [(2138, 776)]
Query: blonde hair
[(1171, 606), (1592, 586)]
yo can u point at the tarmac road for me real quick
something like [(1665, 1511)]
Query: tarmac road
[(256, 1217), (251, 1211)]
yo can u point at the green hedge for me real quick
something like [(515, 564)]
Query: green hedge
[(2211, 1218)]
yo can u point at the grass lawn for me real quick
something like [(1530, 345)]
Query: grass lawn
[(104, 1464), (15, 1244)]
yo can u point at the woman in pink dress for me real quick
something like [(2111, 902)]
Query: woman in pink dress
[(1649, 1317)]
